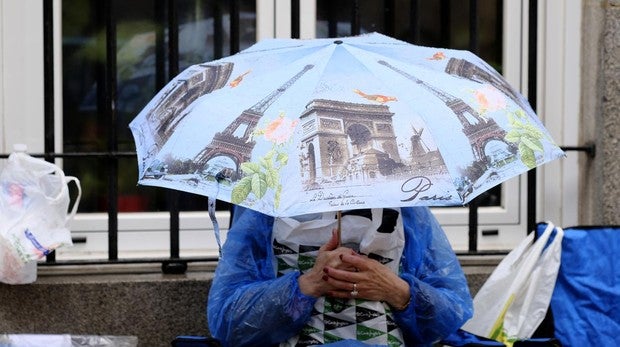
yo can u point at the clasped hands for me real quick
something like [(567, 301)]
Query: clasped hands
[(340, 272)]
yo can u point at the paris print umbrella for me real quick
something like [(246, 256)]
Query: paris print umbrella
[(289, 127)]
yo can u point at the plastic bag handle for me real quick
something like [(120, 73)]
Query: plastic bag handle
[(49, 168), (528, 255), (43, 167), (69, 179)]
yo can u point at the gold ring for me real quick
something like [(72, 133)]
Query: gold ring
[(354, 292)]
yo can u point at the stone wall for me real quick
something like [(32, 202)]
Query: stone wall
[(146, 304), (142, 302), (600, 112)]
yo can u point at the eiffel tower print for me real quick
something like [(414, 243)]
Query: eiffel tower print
[(465, 69), (202, 79), (239, 148), (479, 133)]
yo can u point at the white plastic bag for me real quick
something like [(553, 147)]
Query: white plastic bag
[(66, 340), (12, 269), (34, 203), (514, 299)]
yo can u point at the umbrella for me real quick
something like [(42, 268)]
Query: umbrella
[(289, 127)]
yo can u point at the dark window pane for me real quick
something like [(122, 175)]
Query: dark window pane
[(142, 67)]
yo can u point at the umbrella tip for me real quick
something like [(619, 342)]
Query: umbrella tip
[(338, 42)]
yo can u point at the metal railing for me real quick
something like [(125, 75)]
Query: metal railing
[(168, 47)]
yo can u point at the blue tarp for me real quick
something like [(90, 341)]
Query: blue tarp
[(586, 299)]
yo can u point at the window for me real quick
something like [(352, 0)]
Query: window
[(143, 65), (202, 32)]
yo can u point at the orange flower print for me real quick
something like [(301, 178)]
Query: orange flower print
[(280, 129), (490, 99)]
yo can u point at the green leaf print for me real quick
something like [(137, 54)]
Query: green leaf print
[(282, 158), (276, 199), (527, 136), (272, 178), (241, 190), (250, 168), (533, 143), (266, 164), (527, 156), (263, 173), (269, 155), (513, 136), (259, 185)]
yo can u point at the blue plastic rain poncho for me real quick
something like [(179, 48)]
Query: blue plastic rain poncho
[(250, 306)]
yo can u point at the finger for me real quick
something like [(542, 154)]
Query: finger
[(346, 267), (343, 285), (355, 261), (343, 276), (352, 291), (332, 243)]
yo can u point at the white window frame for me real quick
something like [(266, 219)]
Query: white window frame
[(21, 74), (146, 234), (559, 95)]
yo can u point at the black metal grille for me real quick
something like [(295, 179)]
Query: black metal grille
[(167, 50)]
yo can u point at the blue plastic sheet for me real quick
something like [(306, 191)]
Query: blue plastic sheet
[(462, 338), (586, 299), (249, 306)]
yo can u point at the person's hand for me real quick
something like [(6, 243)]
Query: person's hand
[(314, 282), (368, 279)]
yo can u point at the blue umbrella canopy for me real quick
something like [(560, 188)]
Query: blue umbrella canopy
[(289, 127)]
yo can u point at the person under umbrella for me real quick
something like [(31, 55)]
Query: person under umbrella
[(392, 280)]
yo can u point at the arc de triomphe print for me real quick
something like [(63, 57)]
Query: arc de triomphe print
[(347, 141)]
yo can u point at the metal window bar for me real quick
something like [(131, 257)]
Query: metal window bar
[(234, 26), (355, 18), (473, 47), (295, 23), (48, 86), (173, 196), (414, 19), (389, 14), (166, 13), (107, 97), (531, 96)]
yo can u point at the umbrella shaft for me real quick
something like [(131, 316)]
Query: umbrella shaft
[(338, 229)]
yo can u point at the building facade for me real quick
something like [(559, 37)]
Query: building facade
[(577, 98)]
